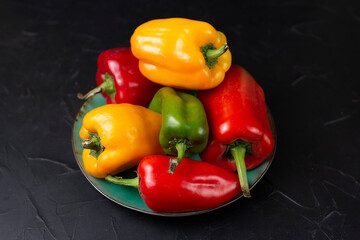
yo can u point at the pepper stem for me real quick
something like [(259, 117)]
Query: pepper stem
[(211, 54), (215, 53), (90, 93), (174, 162), (131, 182), (107, 86), (238, 152), (94, 144)]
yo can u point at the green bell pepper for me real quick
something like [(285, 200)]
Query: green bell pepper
[(184, 131)]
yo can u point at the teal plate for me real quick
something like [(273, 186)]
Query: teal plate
[(128, 196)]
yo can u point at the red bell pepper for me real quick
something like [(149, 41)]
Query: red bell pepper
[(119, 79), (195, 185), (240, 134)]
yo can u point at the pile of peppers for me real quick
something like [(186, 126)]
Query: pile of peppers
[(174, 94)]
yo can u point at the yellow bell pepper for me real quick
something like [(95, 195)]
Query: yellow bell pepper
[(117, 136), (181, 53)]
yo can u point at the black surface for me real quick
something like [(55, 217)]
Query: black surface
[(303, 53)]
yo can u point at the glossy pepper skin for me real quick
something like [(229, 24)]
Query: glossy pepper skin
[(118, 137), (184, 130), (237, 118), (194, 186), (124, 83), (170, 53)]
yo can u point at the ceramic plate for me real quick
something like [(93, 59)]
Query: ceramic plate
[(128, 196)]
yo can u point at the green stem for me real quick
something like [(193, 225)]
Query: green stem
[(92, 143), (174, 162), (238, 152), (181, 149), (211, 54), (131, 182), (215, 53), (107, 86), (90, 93)]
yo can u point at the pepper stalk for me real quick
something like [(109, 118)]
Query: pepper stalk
[(181, 149), (94, 144), (131, 182), (108, 86), (211, 54), (238, 150)]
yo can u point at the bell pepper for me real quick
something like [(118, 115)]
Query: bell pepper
[(119, 79), (194, 186), (184, 130), (117, 136), (181, 53), (240, 136)]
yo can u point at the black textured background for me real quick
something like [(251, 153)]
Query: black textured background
[(305, 55)]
